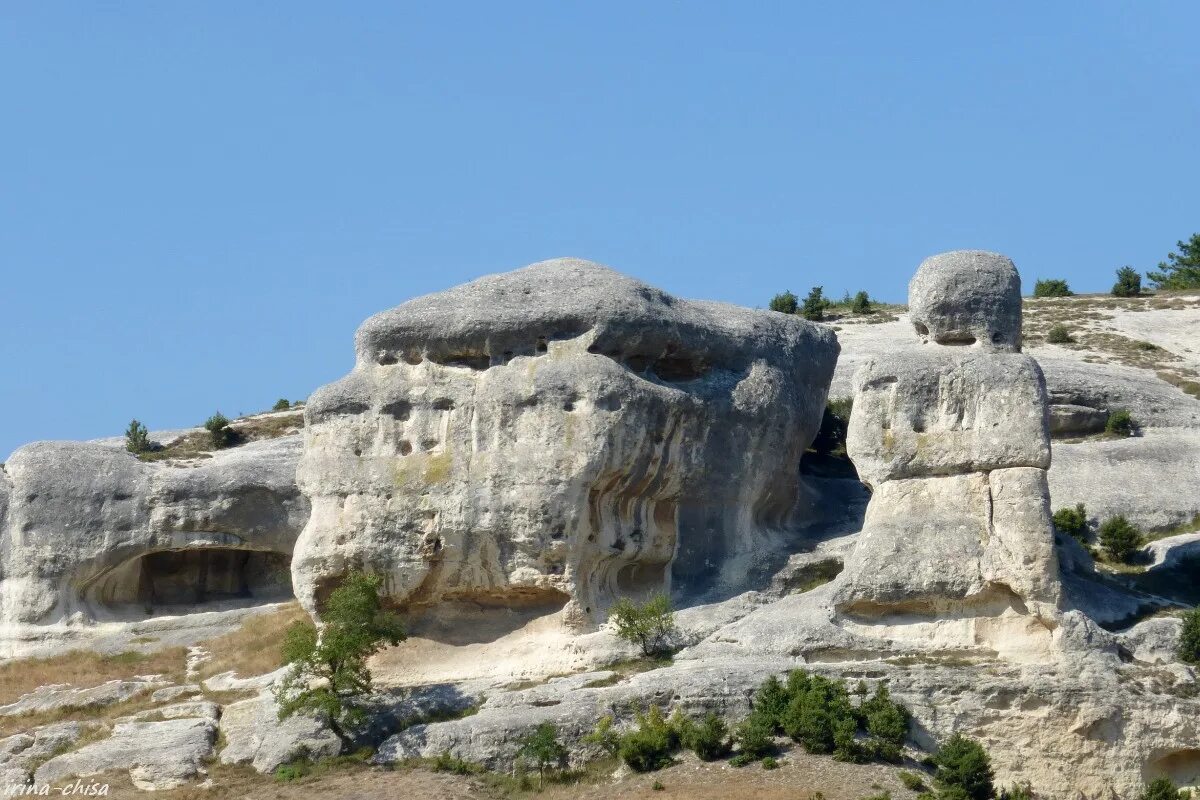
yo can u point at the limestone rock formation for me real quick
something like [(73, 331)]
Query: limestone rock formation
[(88, 531), (955, 445), (560, 435)]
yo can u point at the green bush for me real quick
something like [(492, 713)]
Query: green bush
[(912, 781), (820, 715), (1119, 538), (649, 625), (1072, 521), (137, 438), (605, 736), (886, 723), (281, 404), (835, 422), (542, 749), (815, 305), (861, 304), (1163, 789), (963, 770), (1120, 423), (1181, 270), (1017, 792), (1189, 637), (649, 746), (444, 762), (770, 703), (769, 762), (785, 303), (1059, 335), (219, 433), (1129, 283), (1051, 287), (708, 739), (755, 737)]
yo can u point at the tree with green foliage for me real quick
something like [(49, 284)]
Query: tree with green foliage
[(861, 304), (1181, 270), (1051, 287), (543, 750), (1189, 637), (649, 746), (1072, 521), (219, 433), (708, 739), (755, 737), (771, 702), (964, 769), (137, 438), (282, 404), (327, 673), (1129, 283), (1119, 538), (650, 625), (815, 305), (818, 714), (886, 723), (785, 303), (1164, 789)]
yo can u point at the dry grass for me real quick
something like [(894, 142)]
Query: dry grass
[(85, 669), (254, 648), (27, 722), (198, 444)]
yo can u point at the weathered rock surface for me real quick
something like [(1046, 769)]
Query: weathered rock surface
[(254, 735), (21, 753), (92, 531), (1154, 640), (967, 298), (561, 434), (158, 755), (64, 697)]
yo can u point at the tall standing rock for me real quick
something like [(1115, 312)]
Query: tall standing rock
[(560, 435), (957, 544)]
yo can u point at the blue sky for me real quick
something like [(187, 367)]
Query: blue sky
[(199, 202)]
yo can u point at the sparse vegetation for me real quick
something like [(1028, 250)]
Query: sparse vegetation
[(1181, 270), (1119, 538), (1164, 789), (912, 781), (649, 625), (220, 435), (1073, 522), (1051, 287), (1017, 792), (835, 421), (1120, 423), (84, 669), (963, 770), (1129, 283), (785, 303), (328, 675), (282, 404), (1189, 637), (543, 750), (605, 736), (137, 438), (256, 647), (1059, 334), (815, 305)]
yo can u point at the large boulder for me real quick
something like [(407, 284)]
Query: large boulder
[(967, 298), (91, 530), (560, 435)]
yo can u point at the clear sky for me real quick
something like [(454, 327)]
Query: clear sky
[(199, 202)]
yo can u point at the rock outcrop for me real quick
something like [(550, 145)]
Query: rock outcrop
[(558, 436), (89, 532), (957, 542)]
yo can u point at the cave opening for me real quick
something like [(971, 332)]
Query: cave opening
[(196, 577)]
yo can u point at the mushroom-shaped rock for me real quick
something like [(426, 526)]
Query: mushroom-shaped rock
[(967, 298), (559, 435)]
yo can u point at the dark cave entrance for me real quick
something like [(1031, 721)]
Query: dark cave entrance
[(196, 576)]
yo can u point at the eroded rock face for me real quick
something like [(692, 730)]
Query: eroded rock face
[(561, 434), (967, 298), (957, 545), (92, 530)]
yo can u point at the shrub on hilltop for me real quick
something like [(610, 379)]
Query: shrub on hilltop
[(1129, 283), (1051, 287), (785, 303)]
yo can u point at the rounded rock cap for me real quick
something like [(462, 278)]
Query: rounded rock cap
[(967, 298)]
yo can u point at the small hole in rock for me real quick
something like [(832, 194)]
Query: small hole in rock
[(405, 447)]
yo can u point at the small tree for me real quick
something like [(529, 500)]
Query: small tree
[(327, 674), (219, 433), (543, 750), (963, 765), (887, 724), (649, 746), (1129, 283), (708, 739), (1181, 270), (1120, 423), (1119, 538), (755, 738), (1189, 637), (1059, 335), (137, 438), (281, 404), (648, 625), (605, 736), (815, 304), (785, 303), (1051, 287), (1072, 521), (1163, 789), (861, 304)]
